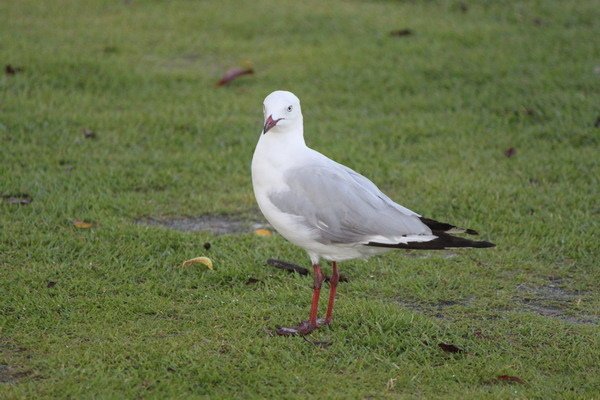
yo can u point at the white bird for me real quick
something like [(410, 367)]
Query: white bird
[(329, 210)]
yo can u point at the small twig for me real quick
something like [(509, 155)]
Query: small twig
[(318, 343), (287, 266), (401, 32)]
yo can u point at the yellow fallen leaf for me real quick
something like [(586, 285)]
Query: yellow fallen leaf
[(82, 224), (263, 232), (247, 64), (199, 260)]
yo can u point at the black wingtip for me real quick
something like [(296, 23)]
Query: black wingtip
[(437, 226), (441, 242), (483, 244)]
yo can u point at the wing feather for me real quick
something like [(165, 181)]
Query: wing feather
[(341, 206)]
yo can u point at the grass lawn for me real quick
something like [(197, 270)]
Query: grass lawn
[(431, 116)]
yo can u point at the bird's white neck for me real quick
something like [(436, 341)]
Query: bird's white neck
[(277, 150), (283, 141)]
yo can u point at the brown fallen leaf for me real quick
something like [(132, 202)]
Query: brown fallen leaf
[(82, 224), (530, 112), (509, 379), (50, 284), (263, 232), (511, 151), (401, 32), (10, 70), (199, 260), (89, 134), (234, 73), (22, 199), (479, 335), (450, 348)]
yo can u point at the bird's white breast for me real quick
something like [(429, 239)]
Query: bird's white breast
[(272, 158)]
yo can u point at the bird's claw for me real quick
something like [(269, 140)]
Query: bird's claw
[(304, 328), (283, 331)]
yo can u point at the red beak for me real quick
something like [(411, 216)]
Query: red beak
[(269, 123)]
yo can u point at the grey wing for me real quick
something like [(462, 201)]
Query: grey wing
[(342, 206)]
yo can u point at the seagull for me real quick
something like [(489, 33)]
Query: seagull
[(329, 210)]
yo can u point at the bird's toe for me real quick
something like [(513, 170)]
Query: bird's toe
[(304, 328)]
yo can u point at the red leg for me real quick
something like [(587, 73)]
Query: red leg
[(333, 281), (307, 327), (314, 307)]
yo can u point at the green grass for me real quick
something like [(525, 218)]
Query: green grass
[(427, 117)]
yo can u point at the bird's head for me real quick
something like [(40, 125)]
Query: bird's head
[(282, 111)]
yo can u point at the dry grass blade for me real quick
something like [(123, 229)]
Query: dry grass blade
[(82, 224)]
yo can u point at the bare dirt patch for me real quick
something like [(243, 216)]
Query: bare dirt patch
[(553, 301), (549, 300), (10, 373)]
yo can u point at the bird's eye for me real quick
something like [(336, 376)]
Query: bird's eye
[(289, 109)]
